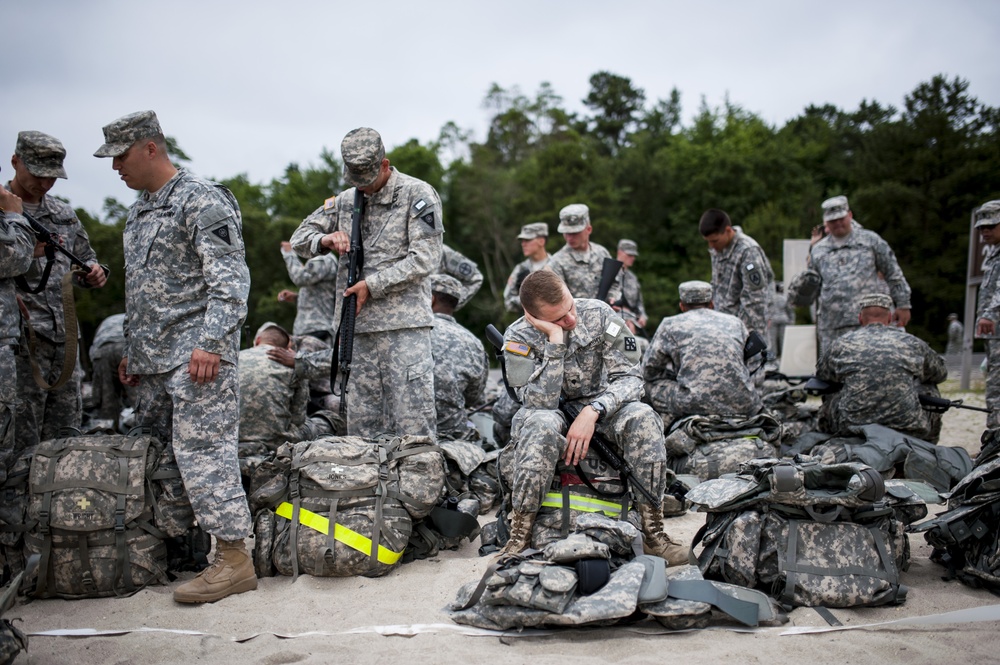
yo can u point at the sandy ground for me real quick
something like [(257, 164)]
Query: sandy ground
[(413, 597)]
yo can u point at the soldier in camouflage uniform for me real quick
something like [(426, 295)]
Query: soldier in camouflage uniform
[(533, 238), (988, 309), (883, 369), (461, 369), (694, 365), (17, 244), (580, 261), (580, 351), (955, 333), (391, 389), (38, 162), (851, 262), (316, 300), (633, 310), (186, 288), (106, 351), (463, 269), (272, 399), (741, 274)]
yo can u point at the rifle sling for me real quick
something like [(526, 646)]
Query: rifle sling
[(70, 345)]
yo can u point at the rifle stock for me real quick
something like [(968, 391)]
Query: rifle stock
[(348, 312), (609, 271)]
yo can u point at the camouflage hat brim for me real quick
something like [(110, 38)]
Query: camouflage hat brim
[(112, 150), (571, 227), (361, 178), (44, 170)]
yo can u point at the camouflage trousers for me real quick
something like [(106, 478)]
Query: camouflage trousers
[(539, 440), (199, 427), (391, 389), (54, 409), (993, 383), (109, 395), (18, 438)]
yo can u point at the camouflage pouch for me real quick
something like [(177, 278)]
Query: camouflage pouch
[(715, 458), (91, 509)]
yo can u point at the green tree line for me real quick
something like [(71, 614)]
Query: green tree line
[(913, 174)]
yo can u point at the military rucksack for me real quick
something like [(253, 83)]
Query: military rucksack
[(809, 534), (343, 506), (710, 446), (90, 515), (966, 537)]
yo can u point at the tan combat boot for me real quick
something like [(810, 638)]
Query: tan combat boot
[(655, 540), (231, 572), (520, 533)]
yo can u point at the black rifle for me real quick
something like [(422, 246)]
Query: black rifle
[(942, 404), (344, 346), (609, 272), (604, 450), (52, 246)]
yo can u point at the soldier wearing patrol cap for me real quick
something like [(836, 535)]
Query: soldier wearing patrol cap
[(852, 261), (741, 274), (694, 364), (38, 162), (883, 370), (579, 351), (580, 261), (186, 288), (391, 388), (632, 308), (533, 238), (461, 369), (987, 219)]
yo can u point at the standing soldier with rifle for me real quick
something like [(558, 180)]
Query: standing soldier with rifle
[(38, 162), (580, 262), (391, 369), (988, 311), (571, 355)]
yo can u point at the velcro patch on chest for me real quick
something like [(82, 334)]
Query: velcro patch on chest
[(517, 348)]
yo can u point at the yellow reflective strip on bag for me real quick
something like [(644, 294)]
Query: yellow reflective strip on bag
[(352, 539), (584, 504)]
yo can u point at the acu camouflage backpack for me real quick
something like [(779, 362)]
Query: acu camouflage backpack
[(342, 506), (966, 537), (809, 534), (90, 515)]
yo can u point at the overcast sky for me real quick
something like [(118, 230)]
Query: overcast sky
[(249, 87)]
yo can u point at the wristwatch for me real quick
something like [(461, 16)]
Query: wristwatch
[(600, 408)]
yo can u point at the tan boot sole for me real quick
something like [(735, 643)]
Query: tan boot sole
[(249, 584)]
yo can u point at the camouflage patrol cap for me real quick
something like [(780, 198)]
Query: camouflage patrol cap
[(695, 292), (629, 247), (532, 231), (120, 134), (446, 284), (41, 154), (573, 218), (269, 324), (988, 214), (363, 152), (835, 208), (875, 300)]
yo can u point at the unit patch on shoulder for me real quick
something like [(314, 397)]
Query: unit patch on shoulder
[(223, 233), (630, 343), (754, 276), (428, 219), (613, 329), (330, 203), (517, 348)]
